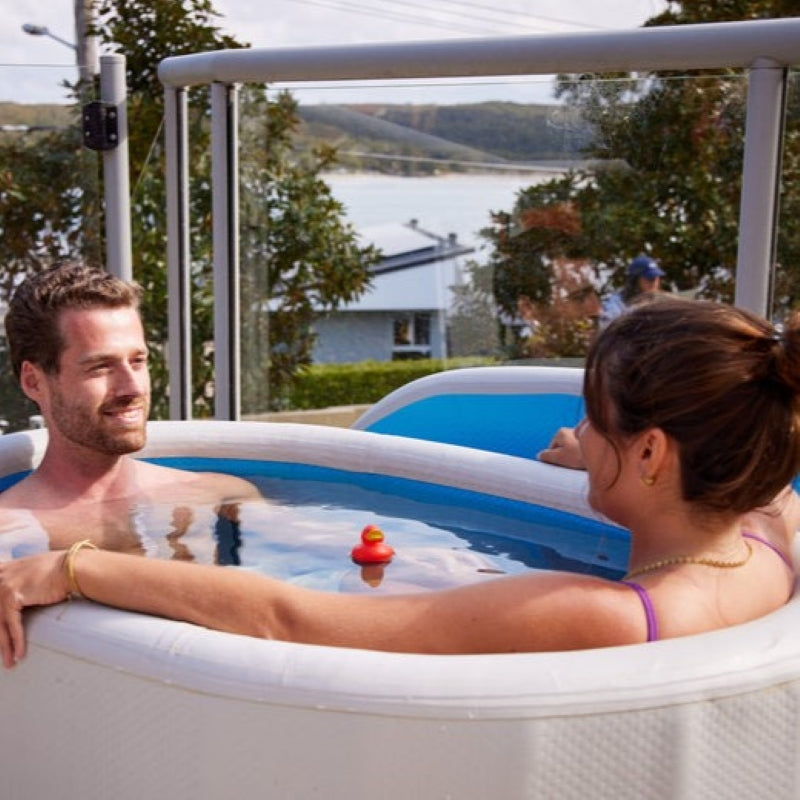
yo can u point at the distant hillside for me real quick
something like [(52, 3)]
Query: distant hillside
[(353, 126), (493, 132), (511, 130), (33, 115), (407, 138)]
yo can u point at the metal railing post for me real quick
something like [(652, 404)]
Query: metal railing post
[(225, 212), (758, 208), (179, 347)]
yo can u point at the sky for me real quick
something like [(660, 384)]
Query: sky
[(32, 68)]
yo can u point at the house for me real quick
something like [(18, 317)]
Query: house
[(404, 313)]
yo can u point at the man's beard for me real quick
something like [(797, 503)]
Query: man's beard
[(84, 426)]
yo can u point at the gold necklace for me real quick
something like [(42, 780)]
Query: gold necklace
[(705, 562)]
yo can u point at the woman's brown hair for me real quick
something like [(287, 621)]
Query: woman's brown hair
[(721, 381)]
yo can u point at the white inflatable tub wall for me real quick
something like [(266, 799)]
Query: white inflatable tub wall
[(110, 704)]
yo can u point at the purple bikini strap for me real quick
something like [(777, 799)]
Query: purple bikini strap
[(647, 603), (649, 611), (786, 560)]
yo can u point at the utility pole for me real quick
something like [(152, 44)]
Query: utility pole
[(85, 44), (86, 58)]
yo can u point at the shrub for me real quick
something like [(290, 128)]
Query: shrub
[(325, 385)]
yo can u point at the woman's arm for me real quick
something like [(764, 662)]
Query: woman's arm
[(564, 450), (542, 611)]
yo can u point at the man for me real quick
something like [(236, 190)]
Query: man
[(76, 344), (642, 283)]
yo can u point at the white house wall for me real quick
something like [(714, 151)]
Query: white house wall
[(364, 329), (350, 337), (419, 288)]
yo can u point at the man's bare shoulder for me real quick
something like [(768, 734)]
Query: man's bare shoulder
[(229, 488), (206, 487), (19, 496)]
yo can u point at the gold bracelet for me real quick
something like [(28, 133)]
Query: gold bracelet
[(69, 566)]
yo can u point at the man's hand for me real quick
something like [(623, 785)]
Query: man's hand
[(34, 581)]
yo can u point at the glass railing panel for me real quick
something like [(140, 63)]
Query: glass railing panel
[(505, 213), (786, 294)]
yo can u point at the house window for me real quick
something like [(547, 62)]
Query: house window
[(403, 329), (412, 336)]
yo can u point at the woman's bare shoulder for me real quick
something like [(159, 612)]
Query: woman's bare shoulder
[(779, 521)]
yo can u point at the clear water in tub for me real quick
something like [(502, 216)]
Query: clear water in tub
[(313, 517), (306, 531)]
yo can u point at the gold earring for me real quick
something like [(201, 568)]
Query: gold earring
[(649, 480)]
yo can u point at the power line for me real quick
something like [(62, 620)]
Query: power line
[(494, 10), (347, 7), (456, 23), (518, 19)]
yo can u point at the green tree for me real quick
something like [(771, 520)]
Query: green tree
[(301, 261), (472, 322), (48, 211), (672, 145), (305, 261), (530, 248)]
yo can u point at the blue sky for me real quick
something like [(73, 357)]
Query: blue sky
[(32, 67)]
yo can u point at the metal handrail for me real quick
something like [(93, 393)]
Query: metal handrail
[(717, 45)]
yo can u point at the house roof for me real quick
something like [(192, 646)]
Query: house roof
[(406, 245), (416, 271)]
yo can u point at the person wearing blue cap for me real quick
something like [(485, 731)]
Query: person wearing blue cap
[(643, 281)]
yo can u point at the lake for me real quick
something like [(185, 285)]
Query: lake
[(442, 204)]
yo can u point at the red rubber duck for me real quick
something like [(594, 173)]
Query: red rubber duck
[(372, 550)]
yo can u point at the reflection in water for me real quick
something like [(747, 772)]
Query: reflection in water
[(304, 534), (182, 517), (205, 533), (228, 534), (372, 574)]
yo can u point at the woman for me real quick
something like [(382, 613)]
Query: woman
[(691, 436)]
